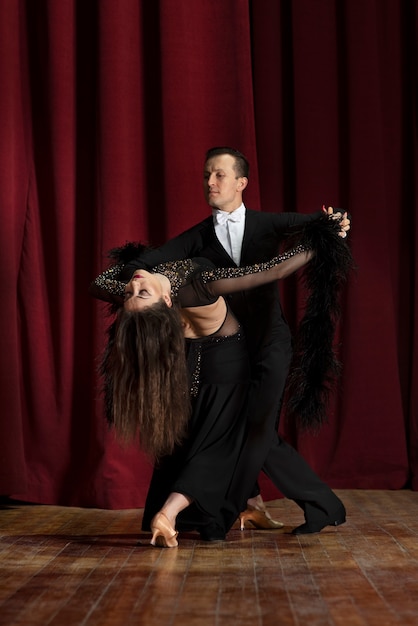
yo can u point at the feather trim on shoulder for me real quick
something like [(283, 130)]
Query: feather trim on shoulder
[(128, 252)]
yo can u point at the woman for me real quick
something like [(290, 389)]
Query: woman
[(194, 436)]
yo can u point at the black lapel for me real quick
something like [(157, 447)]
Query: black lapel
[(212, 247), (250, 228)]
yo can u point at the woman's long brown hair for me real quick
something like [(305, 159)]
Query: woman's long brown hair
[(146, 382)]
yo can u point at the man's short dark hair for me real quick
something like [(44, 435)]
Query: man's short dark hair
[(242, 167)]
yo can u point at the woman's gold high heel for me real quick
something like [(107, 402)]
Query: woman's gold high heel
[(259, 519), (163, 534)]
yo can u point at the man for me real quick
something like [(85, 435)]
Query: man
[(235, 235)]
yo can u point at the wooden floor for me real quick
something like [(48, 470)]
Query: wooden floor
[(70, 566)]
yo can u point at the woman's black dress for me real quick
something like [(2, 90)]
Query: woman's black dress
[(219, 374)]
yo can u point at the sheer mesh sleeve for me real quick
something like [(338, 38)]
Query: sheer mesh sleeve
[(229, 280)]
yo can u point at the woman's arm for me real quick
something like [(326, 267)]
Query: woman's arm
[(229, 280), (107, 285), (109, 288)]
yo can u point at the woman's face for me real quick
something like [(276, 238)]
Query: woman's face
[(145, 289)]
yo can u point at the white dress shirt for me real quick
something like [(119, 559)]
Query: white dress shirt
[(229, 229)]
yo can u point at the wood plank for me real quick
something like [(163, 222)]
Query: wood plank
[(65, 566)]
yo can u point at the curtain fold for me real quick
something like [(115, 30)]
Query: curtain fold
[(15, 165), (107, 110)]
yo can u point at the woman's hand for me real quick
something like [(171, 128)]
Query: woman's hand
[(341, 217)]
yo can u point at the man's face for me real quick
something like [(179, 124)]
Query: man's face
[(221, 186)]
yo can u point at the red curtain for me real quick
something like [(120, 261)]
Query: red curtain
[(107, 109)]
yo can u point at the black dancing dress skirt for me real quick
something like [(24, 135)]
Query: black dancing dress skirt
[(202, 467)]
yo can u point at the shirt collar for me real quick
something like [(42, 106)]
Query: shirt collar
[(221, 217)]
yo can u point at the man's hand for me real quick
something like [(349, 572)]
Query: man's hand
[(341, 217)]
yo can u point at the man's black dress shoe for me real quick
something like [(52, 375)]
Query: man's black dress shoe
[(315, 527)]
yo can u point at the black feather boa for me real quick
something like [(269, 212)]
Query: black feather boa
[(315, 367)]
